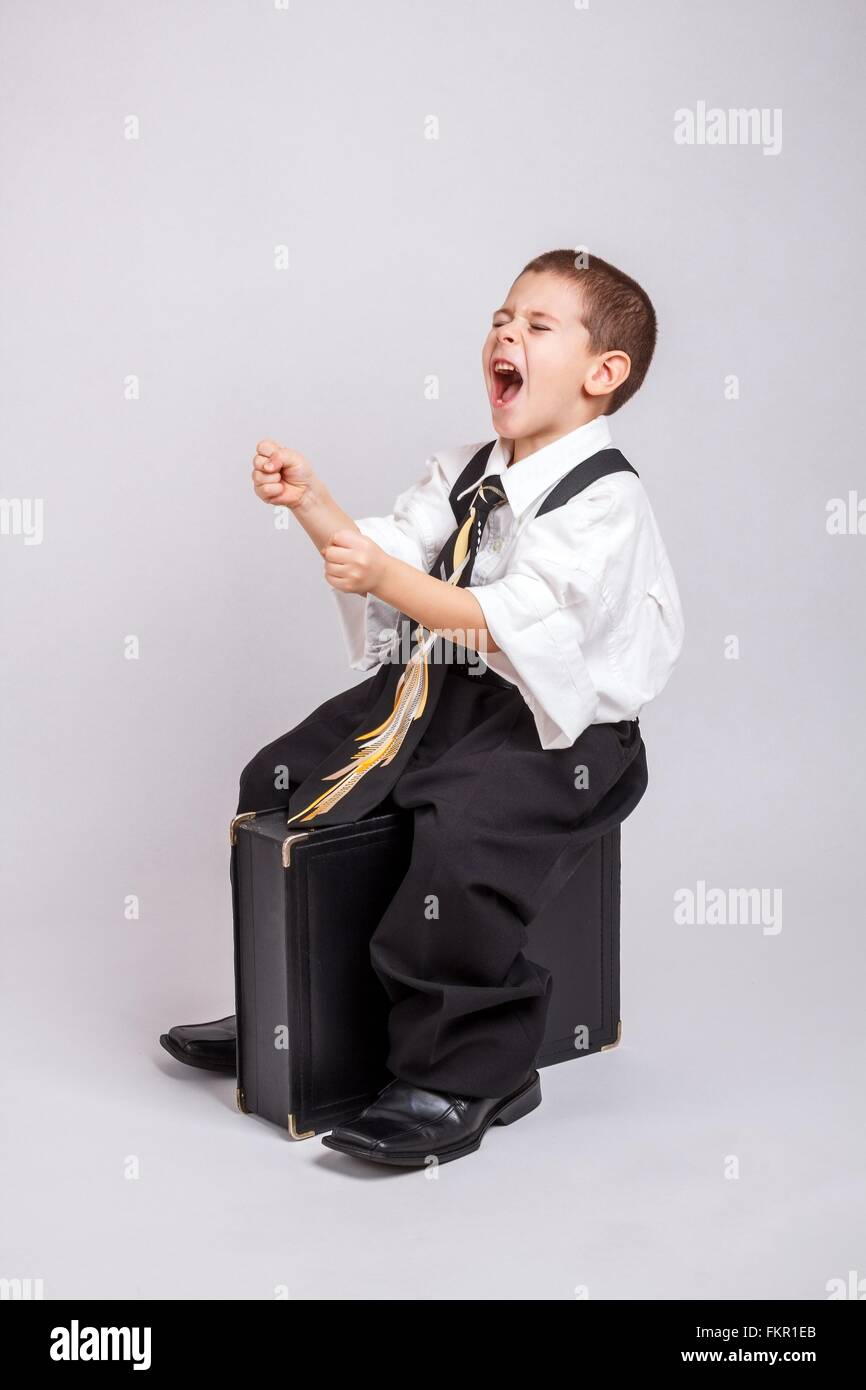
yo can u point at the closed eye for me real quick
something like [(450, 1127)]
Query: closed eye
[(539, 327)]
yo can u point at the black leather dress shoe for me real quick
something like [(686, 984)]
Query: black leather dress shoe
[(408, 1125), (210, 1045)]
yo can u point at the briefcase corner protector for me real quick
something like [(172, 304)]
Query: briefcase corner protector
[(287, 846), (295, 1133), (608, 1047), (235, 822)]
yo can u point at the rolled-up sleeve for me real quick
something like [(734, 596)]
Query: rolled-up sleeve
[(646, 647), (540, 638), (587, 614), (414, 531)]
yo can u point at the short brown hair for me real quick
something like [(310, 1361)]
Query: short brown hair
[(615, 311)]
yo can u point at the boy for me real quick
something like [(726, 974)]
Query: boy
[(513, 739)]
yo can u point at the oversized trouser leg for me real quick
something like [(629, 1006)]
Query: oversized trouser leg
[(468, 1007)]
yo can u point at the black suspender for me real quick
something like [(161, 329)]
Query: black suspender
[(597, 466), (582, 475)]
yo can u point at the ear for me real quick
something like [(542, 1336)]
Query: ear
[(608, 372)]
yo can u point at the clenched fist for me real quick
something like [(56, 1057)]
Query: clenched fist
[(281, 476), (353, 562)]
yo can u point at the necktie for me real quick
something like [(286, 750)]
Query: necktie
[(409, 696)]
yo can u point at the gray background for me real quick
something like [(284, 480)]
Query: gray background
[(155, 258)]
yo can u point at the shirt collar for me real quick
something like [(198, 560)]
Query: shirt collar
[(525, 481)]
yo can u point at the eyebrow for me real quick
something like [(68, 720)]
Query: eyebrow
[(533, 314)]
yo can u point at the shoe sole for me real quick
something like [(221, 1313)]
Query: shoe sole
[(180, 1056), (513, 1109)]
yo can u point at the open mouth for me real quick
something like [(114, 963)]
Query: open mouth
[(506, 382)]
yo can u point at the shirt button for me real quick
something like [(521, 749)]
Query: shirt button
[(496, 545)]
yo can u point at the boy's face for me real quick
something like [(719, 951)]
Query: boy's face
[(538, 331)]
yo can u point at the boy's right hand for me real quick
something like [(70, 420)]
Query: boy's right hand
[(281, 476)]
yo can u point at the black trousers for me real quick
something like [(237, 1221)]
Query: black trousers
[(499, 824)]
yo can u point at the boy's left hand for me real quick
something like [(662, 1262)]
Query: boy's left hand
[(353, 562)]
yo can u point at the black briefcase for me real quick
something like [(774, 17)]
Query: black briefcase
[(311, 1012)]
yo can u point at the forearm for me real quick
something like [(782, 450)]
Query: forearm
[(435, 604), (320, 515)]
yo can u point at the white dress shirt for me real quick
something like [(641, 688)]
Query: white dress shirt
[(582, 601)]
